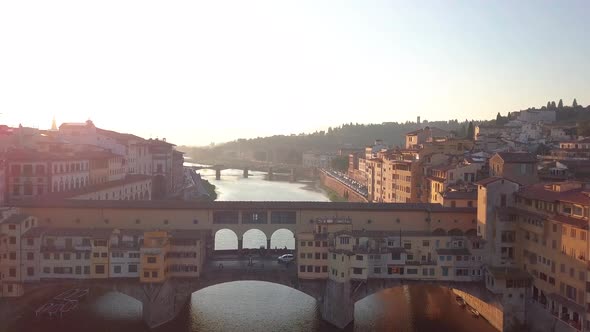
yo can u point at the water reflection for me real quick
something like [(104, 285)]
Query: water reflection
[(243, 306)]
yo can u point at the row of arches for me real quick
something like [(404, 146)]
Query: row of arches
[(226, 239)]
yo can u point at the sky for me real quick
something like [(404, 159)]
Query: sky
[(198, 72)]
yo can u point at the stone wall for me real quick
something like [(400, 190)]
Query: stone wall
[(341, 189), (490, 312)]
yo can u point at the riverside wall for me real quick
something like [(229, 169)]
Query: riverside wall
[(341, 189)]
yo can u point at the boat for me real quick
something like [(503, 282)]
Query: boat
[(43, 308), (79, 295), (68, 306), (474, 312), (54, 309), (460, 301), (66, 294)]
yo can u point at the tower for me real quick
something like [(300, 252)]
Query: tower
[(53, 125), (418, 120)]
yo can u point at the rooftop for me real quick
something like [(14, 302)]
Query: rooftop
[(540, 191), (517, 157), (240, 205), (15, 219)]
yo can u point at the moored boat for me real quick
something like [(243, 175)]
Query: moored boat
[(54, 309), (79, 295), (66, 294), (43, 308), (68, 306)]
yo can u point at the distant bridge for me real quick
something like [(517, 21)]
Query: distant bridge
[(294, 171)]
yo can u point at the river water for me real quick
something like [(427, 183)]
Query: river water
[(254, 306)]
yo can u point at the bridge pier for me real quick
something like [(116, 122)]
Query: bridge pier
[(217, 174), (293, 175), (270, 174), (338, 306), (161, 302), (240, 244), (267, 243), (245, 174)]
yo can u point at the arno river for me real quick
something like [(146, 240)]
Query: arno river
[(260, 306)]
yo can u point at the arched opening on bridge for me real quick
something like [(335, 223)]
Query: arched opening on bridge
[(439, 231), (471, 232), (427, 307), (258, 303), (282, 238), (226, 239), (254, 239), (456, 232)]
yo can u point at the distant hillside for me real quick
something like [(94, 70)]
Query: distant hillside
[(289, 149)]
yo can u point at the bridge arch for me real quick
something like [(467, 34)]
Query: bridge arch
[(455, 232), (439, 231), (255, 238), (282, 238), (225, 239)]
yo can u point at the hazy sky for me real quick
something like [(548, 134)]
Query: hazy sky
[(210, 71)]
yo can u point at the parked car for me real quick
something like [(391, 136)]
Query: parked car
[(286, 258)]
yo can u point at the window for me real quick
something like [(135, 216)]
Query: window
[(86, 269), (12, 256), (344, 240), (146, 274), (325, 268), (357, 270), (151, 260), (302, 255), (30, 256), (67, 256), (310, 268), (99, 269), (117, 269), (317, 269), (360, 257), (132, 268), (12, 240), (377, 270), (154, 274), (302, 243), (78, 270), (302, 268)]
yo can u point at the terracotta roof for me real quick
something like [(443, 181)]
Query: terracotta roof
[(540, 192), (15, 219), (576, 222), (492, 179), (508, 273), (240, 205), (517, 157), (460, 194)]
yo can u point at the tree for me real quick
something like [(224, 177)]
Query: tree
[(575, 103), (498, 118), (553, 106), (548, 104), (560, 104), (470, 131)]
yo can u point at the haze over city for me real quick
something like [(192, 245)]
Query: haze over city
[(201, 72)]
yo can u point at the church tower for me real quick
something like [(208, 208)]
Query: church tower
[(53, 125)]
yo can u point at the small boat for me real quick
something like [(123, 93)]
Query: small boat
[(66, 294), (460, 301), (55, 308), (79, 295), (474, 312), (68, 306), (43, 308)]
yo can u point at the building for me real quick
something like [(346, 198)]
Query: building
[(16, 265), (418, 137), (519, 166), (572, 150), (318, 160)]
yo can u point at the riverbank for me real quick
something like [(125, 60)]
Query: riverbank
[(210, 189)]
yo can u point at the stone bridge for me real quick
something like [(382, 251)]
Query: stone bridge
[(163, 302), (295, 171)]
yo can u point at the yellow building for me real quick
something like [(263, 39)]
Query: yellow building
[(154, 252)]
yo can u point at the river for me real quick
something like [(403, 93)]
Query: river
[(260, 306)]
